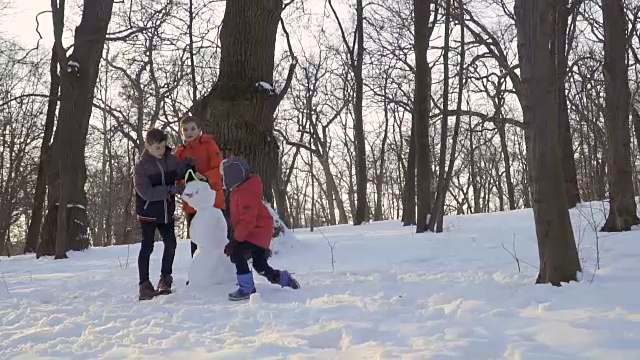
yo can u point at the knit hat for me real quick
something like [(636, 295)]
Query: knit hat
[(235, 171)]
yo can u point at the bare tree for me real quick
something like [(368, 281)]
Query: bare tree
[(66, 222), (561, 52), (559, 260), (20, 130), (355, 53), (239, 108), (422, 110), (40, 193), (437, 219), (622, 208)]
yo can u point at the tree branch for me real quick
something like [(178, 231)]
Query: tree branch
[(44, 96), (292, 66)]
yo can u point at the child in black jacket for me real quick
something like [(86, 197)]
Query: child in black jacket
[(156, 174)]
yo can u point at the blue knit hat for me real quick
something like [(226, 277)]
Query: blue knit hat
[(235, 171)]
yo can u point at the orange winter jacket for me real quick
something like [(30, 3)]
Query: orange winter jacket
[(207, 156)]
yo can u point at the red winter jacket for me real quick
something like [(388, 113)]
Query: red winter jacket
[(250, 218), (207, 156)]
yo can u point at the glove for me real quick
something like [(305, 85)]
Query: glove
[(175, 189), (189, 161), (230, 247)]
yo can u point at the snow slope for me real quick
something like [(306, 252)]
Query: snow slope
[(393, 295)]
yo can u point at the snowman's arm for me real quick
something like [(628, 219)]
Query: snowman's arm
[(247, 217)]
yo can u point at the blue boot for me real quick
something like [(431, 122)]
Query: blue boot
[(286, 280), (246, 287)]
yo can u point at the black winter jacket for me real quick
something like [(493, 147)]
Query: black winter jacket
[(152, 179)]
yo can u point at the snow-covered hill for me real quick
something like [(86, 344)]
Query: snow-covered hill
[(392, 294)]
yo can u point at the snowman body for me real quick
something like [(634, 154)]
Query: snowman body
[(208, 230)]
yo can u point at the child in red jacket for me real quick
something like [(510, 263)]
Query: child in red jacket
[(252, 229), (206, 155)]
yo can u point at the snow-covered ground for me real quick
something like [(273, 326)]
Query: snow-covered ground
[(392, 295)]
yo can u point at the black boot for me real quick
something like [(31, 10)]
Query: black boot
[(147, 292), (164, 286)]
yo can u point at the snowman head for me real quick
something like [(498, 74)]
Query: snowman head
[(199, 195)]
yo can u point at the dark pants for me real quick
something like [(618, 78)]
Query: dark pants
[(190, 217), (259, 258), (167, 231)]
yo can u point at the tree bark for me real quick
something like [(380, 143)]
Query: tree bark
[(566, 141), (313, 194), (238, 110), (456, 125), (35, 225), (421, 111), (280, 192), (473, 171), (507, 165), (622, 205), (358, 123), (101, 228), (441, 193), (559, 260), (409, 196), (78, 77), (635, 116), (333, 192), (381, 169)]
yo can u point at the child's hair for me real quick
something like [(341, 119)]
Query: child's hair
[(155, 136), (190, 120)]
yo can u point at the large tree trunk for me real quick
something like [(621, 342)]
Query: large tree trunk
[(238, 110), (566, 142), (358, 123), (421, 111), (78, 76), (559, 260), (35, 225), (622, 205)]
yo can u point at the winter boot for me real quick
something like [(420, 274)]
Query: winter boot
[(286, 280), (147, 292), (246, 287), (164, 285)]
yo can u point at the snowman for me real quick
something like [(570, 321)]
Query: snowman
[(210, 266)]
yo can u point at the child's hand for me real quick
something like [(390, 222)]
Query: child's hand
[(230, 247), (176, 189), (189, 161)]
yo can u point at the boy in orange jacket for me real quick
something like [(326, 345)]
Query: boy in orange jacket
[(206, 156)]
